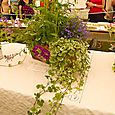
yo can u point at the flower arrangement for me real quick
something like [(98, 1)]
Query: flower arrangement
[(69, 64), (67, 55), (44, 27)]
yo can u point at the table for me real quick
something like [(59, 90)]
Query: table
[(102, 36), (17, 86), (100, 32)]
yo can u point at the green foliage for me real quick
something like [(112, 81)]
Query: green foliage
[(69, 60), (44, 27), (8, 34), (67, 57), (69, 64), (113, 67)]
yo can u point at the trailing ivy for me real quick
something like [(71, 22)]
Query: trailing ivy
[(69, 64)]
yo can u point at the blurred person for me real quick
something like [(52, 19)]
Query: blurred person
[(5, 8), (96, 12), (0, 6), (21, 3), (113, 5), (110, 8)]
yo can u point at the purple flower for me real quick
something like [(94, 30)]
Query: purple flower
[(74, 28), (40, 51)]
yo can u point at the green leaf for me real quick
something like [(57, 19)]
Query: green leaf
[(40, 86), (58, 96), (50, 89), (40, 102), (38, 95), (33, 109), (48, 113), (30, 113)]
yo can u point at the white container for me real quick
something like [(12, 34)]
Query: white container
[(83, 13)]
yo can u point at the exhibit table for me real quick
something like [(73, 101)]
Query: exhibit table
[(18, 85), (102, 31)]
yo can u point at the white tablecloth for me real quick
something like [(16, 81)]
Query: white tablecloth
[(17, 86)]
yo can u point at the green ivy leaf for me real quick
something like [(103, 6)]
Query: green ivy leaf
[(50, 89), (37, 95), (33, 109), (40, 86), (48, 113), (58, 96), (40, 102)]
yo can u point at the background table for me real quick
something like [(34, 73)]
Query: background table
[(17, 85)]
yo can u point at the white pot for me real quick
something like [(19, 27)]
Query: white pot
[(83, 13)]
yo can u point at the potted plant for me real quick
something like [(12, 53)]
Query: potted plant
[(69, 64)]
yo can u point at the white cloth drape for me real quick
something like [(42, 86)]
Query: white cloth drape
[(18, 85)]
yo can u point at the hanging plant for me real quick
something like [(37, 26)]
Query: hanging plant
[(69, 64)]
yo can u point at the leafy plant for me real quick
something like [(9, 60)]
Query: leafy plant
[(5, 34), (45, 27), (69, 64)]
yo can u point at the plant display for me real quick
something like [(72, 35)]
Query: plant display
[(69, 64), (67, 52)]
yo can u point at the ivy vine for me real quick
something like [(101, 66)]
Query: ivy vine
[(69, 64)]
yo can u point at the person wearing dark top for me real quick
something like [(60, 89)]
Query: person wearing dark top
[(21, 3)]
